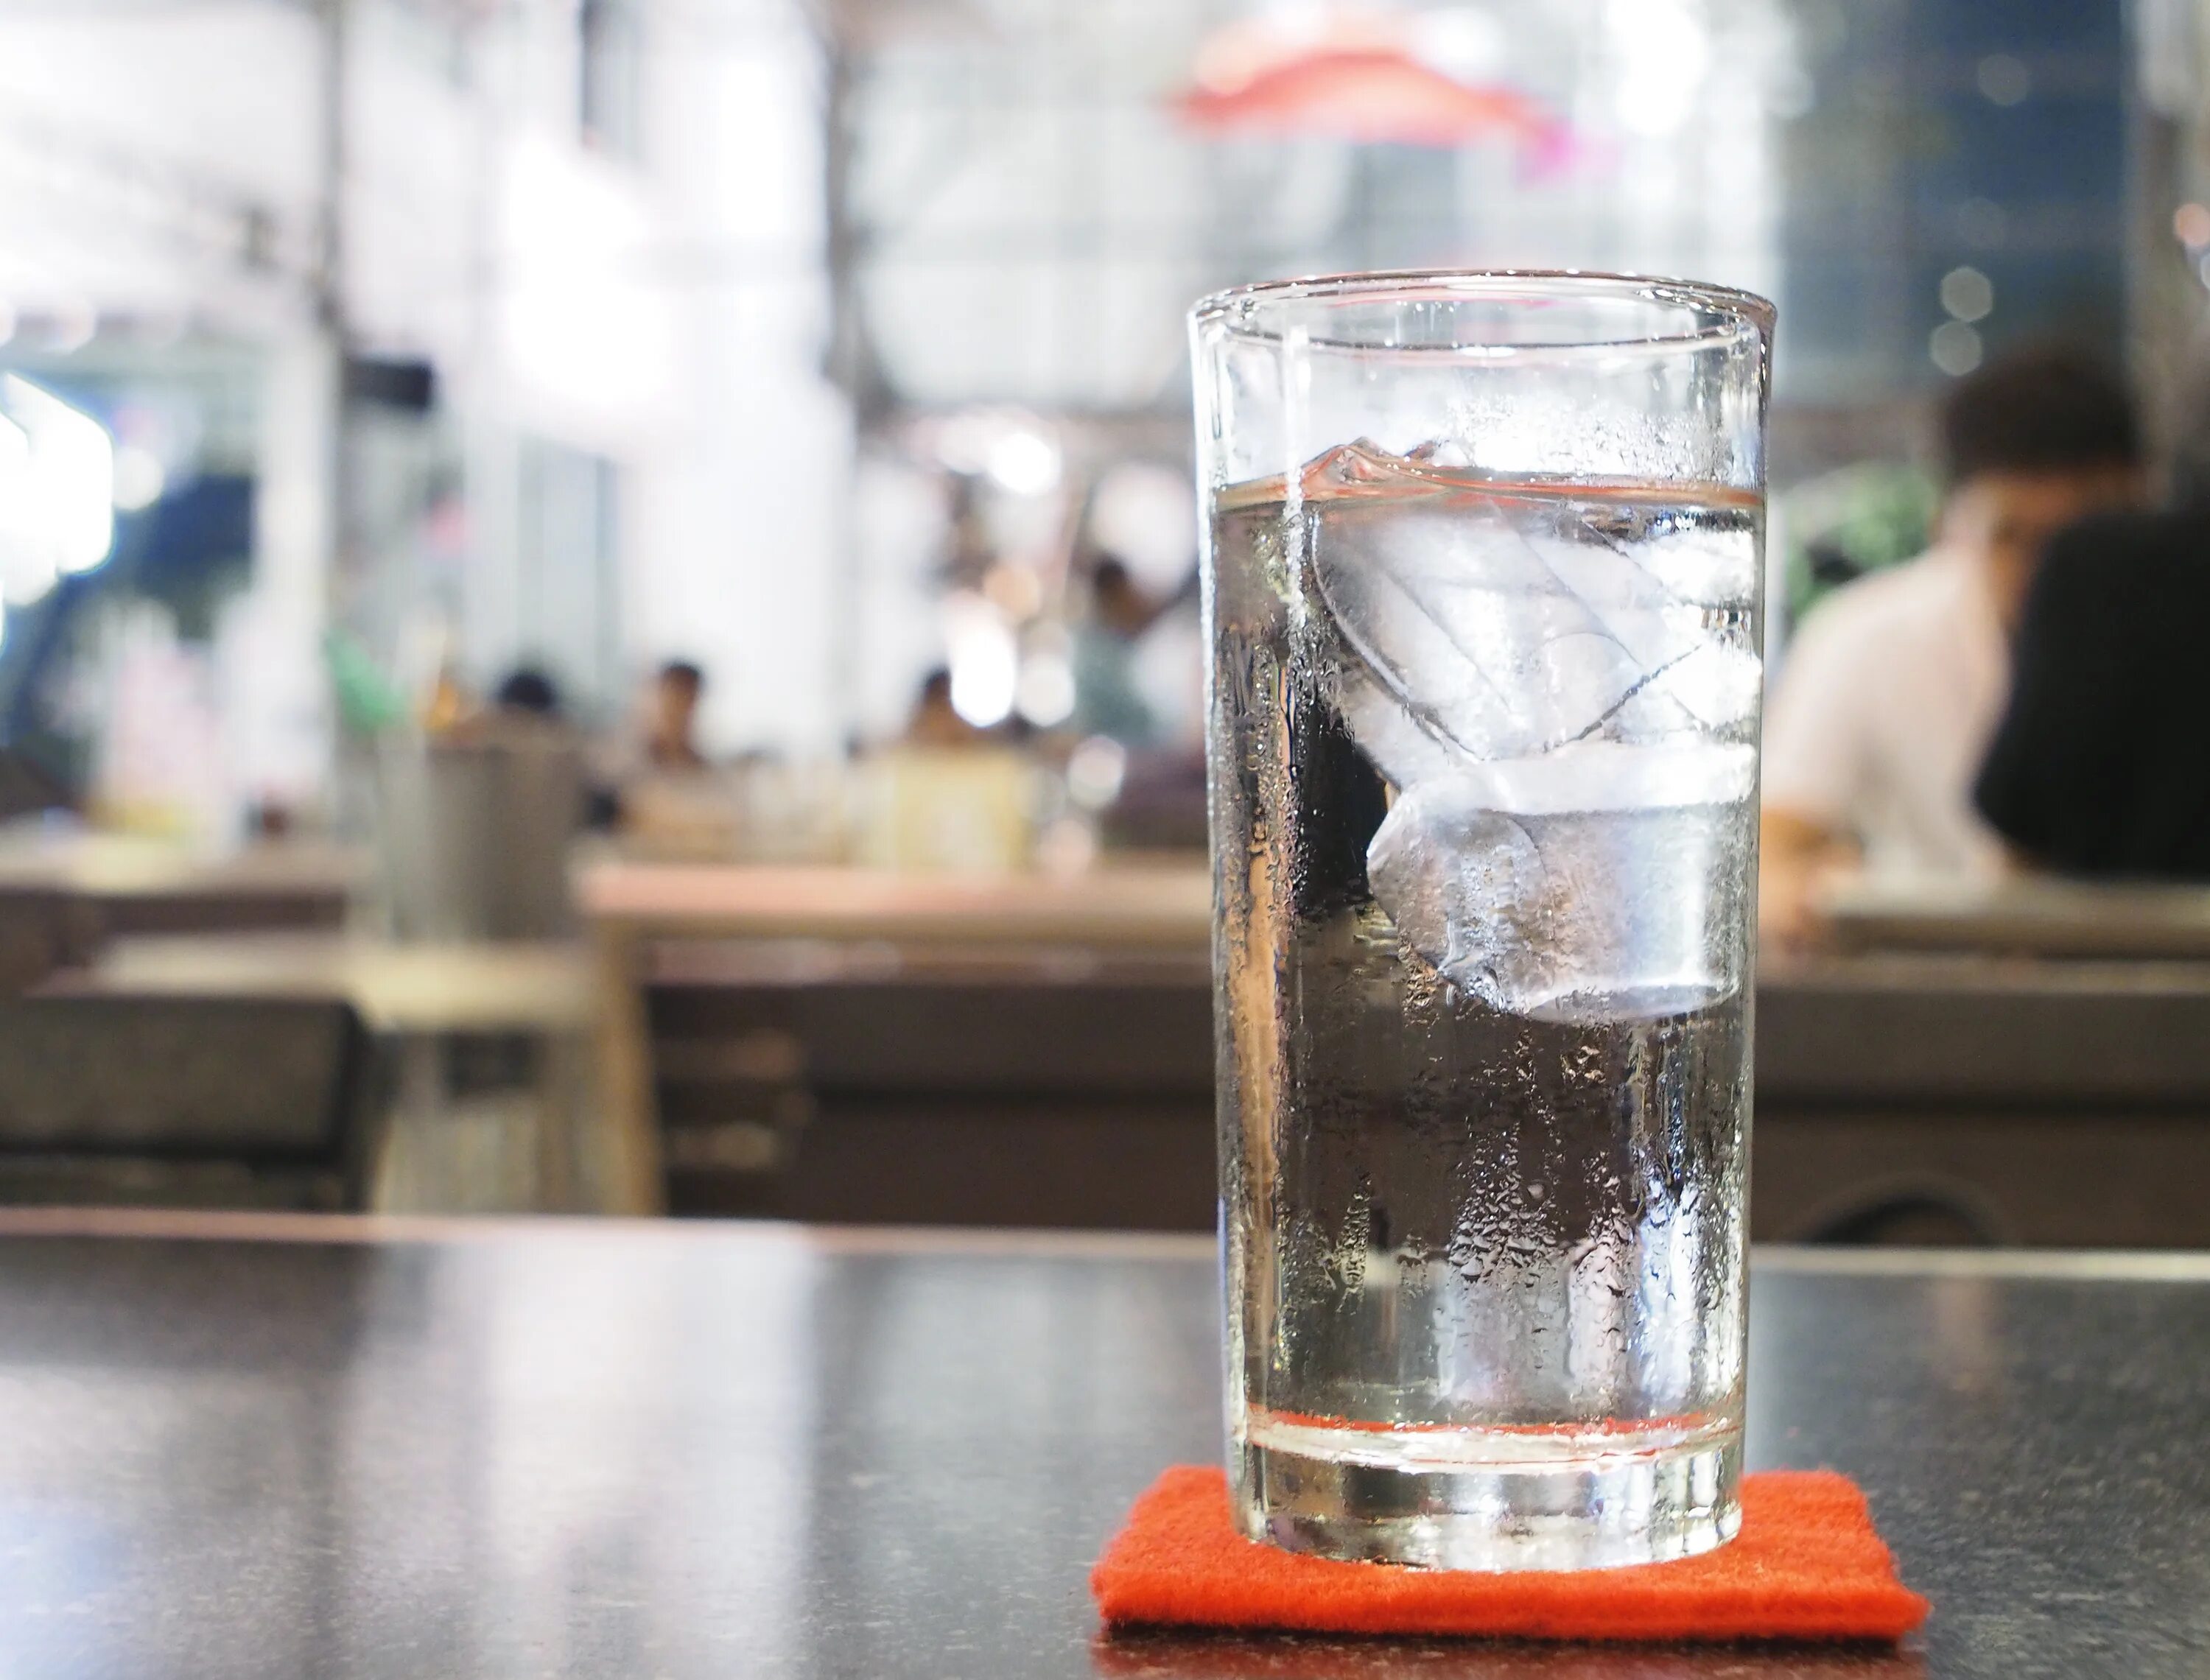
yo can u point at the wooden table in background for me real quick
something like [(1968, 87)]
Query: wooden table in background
[(65, 892), (420, 997), (1127, 909), (455, 988), (2023, 915)]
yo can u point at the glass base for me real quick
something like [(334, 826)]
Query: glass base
[(1489, 1499)]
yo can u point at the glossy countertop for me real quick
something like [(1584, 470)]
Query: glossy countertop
[(283, 1448)]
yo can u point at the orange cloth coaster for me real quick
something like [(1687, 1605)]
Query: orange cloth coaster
[(1807, 1565)]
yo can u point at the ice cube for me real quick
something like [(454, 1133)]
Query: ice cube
[(1623, 596), (1712, 690), (1406, 751), (1718, 683), (1452, 613), (1543, 694), (1502, 625), (1465, 888), (1582, 884)]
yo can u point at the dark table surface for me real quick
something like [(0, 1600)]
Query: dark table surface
[(271, 1447)]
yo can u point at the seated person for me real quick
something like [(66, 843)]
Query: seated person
[(1108, 701), (527, 707), (526, 691), (671, 726), (2101, 764), (1885, 702), (657, 783)]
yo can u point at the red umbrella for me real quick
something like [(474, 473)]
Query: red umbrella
[(1376, 96)]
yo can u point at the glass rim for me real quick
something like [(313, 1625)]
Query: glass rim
[(1737, 310)]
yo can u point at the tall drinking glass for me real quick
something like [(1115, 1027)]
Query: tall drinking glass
[(1482, 589)]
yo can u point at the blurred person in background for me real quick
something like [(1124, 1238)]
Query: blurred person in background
[(527, 692), (1108, 700), (653, 782), (672, 719), (660, 739), (2100, 765), (1881, 715)]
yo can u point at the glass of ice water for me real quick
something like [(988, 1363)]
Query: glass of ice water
[(1482, 589)]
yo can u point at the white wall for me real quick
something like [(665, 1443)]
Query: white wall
[(669, 314), (739, 520), (131, 140)]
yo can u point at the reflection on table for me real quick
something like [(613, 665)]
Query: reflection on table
[(533, 1449)]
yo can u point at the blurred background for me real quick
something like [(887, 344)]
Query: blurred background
[(598, 604)]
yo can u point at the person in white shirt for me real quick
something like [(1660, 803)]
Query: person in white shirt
[(1887, 698)]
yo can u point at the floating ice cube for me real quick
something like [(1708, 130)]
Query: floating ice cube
[(1452, 612), (1465, 887), (1547, 684), (1502, 624), (1718, 684), (1406, 751), (1581, 884), (1626, 600)]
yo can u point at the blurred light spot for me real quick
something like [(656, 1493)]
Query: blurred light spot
[(1663, 51), (139, 479), (1145, 513), (578, 329), (1982, 223), (1968, 293), (2190, 225), (1046, 695), (2003, 79), (56, 491), (1024, 462), (1954, 347), (1460, 41), (984, 658), (1094, 771)]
